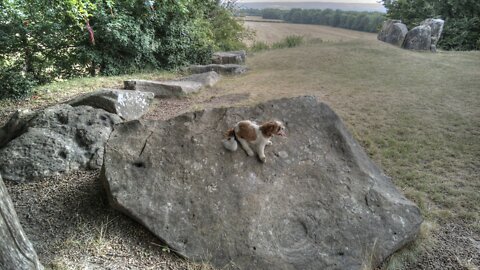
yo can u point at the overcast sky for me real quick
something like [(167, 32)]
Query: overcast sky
[(337, 1)]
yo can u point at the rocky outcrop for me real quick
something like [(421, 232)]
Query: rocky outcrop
[(16, 251), (227, 69), (393, 32), (419, 38), (175, 88), (55, 140), (129, 105), (318, 203), (232, 57)]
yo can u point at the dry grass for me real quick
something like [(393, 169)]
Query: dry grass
[(417, 114), (271, 32)]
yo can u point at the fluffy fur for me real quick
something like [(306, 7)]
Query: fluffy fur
[(248, 133)]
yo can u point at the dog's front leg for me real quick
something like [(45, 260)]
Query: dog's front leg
[(261, 151), (246, 147)]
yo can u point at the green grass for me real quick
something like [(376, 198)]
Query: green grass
[(287, 42)]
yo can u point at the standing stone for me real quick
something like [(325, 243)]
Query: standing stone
[(393, 32), (129, 105), (436, 26), (16, 251), (318, 202), (419, 38)]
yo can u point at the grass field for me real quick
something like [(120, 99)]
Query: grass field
[(417, 115)]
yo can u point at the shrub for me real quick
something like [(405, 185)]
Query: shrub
[(288, 42), (15, 85), (259, 46)]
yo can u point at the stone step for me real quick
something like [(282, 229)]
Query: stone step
[(175, 88), (232, 57), (228, 69), (165, 88)]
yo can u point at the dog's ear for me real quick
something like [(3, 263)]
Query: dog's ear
[(229, 133), (269, 129)]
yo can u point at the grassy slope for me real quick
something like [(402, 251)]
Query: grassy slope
[(416, 113)]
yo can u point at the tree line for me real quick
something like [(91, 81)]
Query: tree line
[(354, 20), (45, 40), (462, 19)]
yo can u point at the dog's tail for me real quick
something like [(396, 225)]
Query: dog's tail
[(230, 141)]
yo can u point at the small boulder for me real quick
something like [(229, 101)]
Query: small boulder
[(129, 105), (164, 88), (393, 32), (232, 57), (16, 251), (208, 79), (419, 38), (227, 69), (57, 139)]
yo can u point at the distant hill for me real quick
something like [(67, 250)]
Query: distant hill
[(315, 5)]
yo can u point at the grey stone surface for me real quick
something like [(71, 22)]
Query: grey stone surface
[(16, 251), (208, 79), (231, 57), (15, 125), (57, 139), (164, 88), (129, 105), (227, 69), (393, 32), (419, 38), (318, 203), (436, 26)]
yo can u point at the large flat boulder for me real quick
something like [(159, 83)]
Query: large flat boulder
[(226, 69), (231, 57), (57, 139), (393, 32), (318, 203), (16, 251), (129, 105)]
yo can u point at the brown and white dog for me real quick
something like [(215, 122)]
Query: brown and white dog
[(249, 133)]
